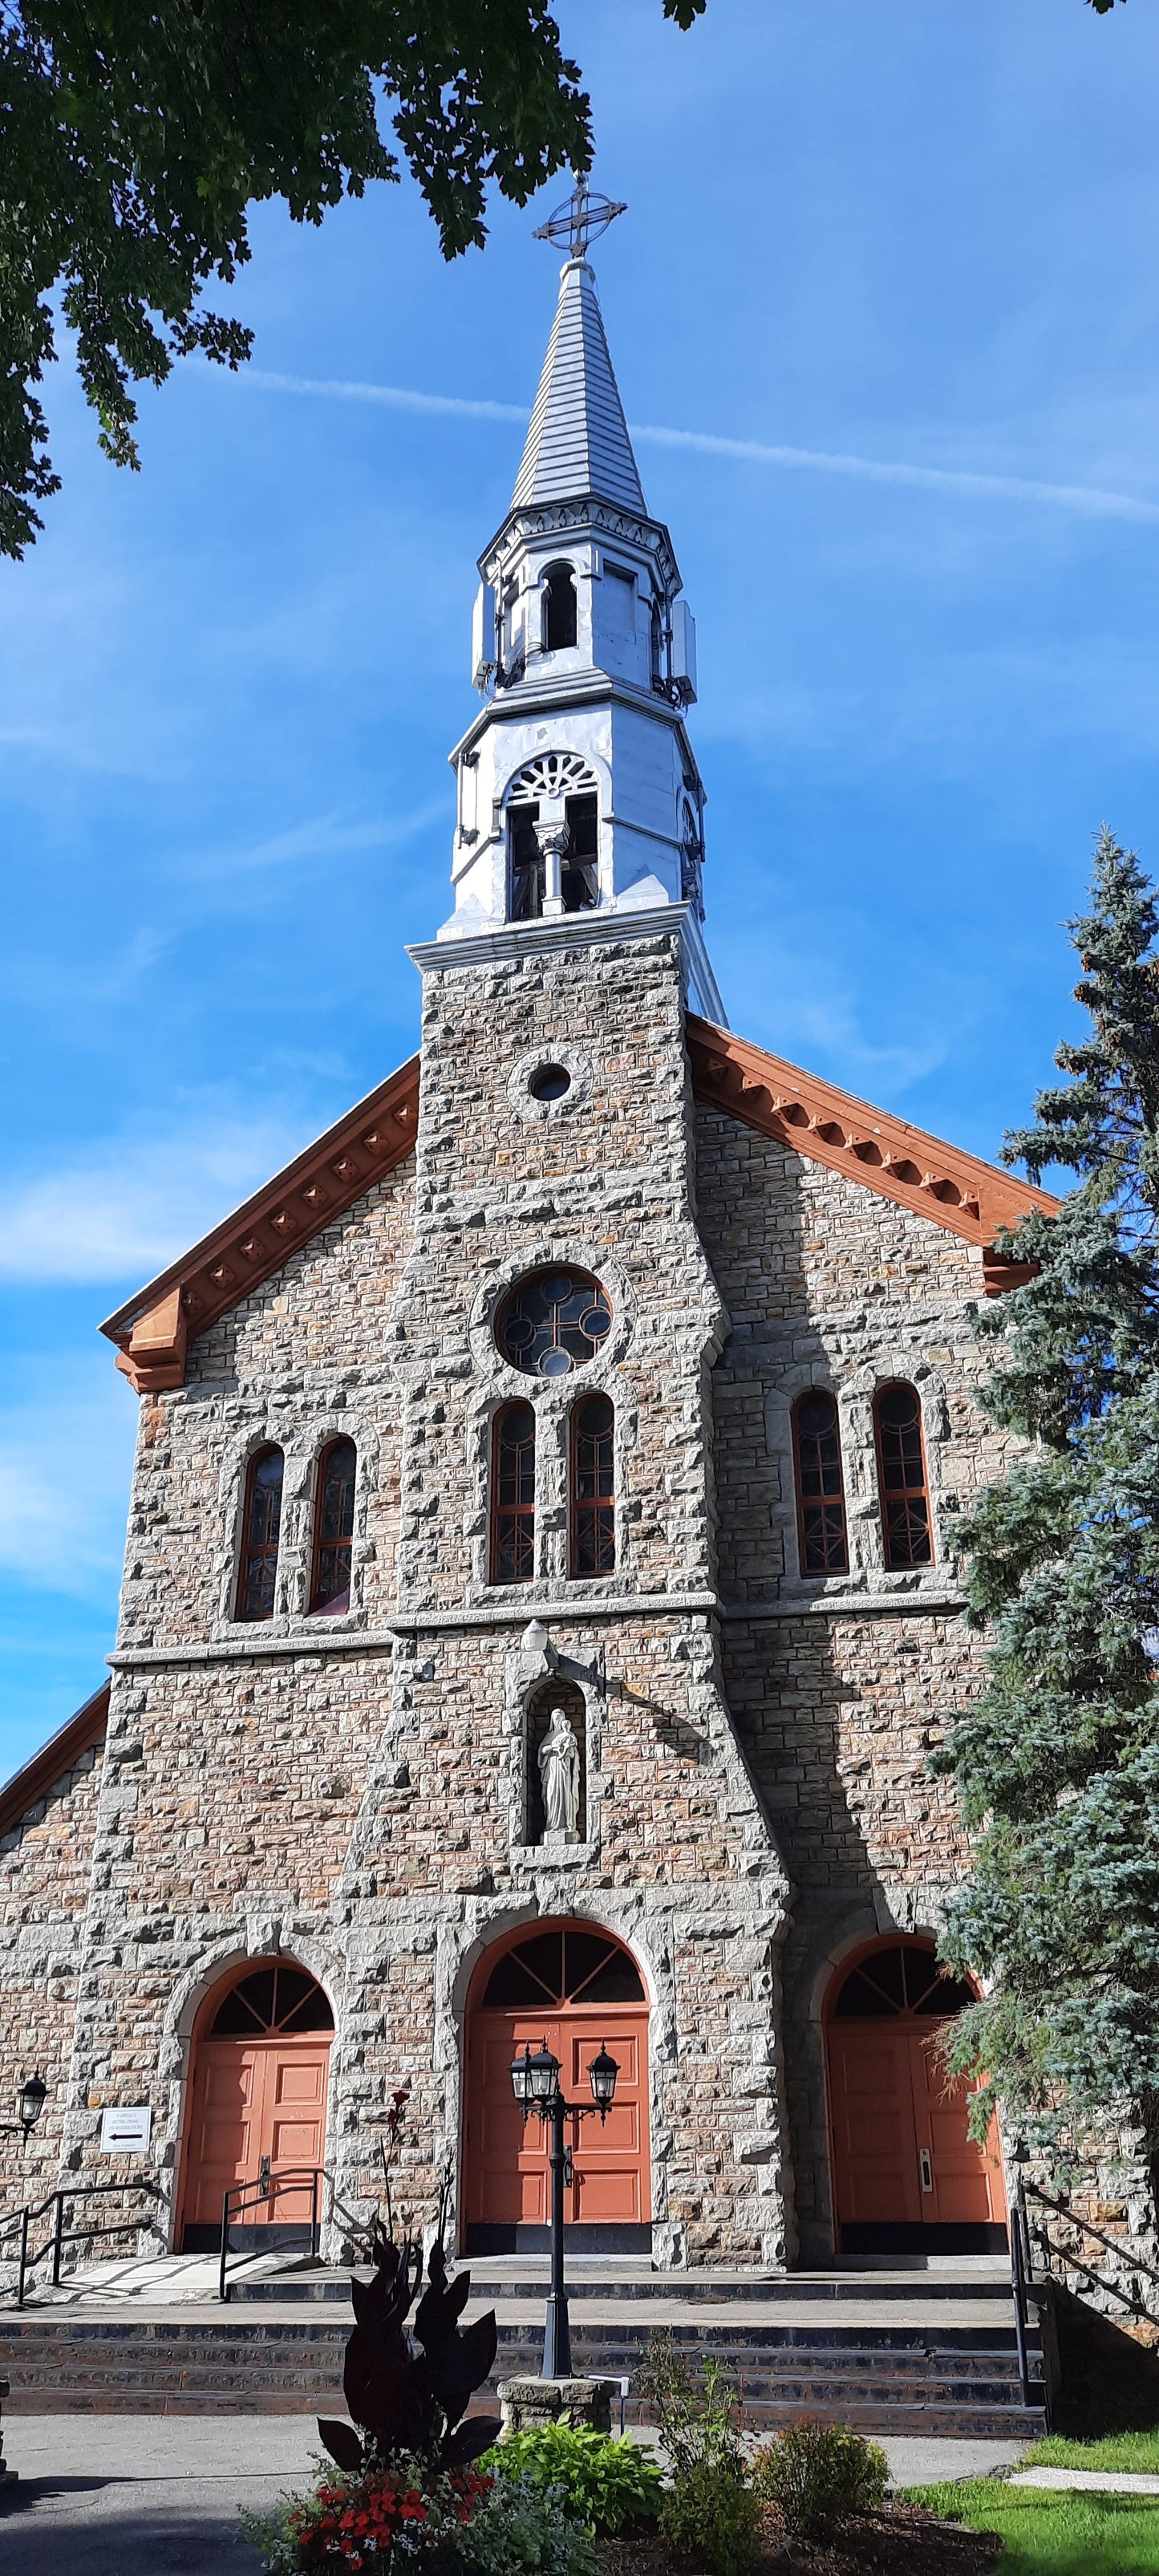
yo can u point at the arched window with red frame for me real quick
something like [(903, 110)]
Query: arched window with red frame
[(513, 1495), (901, 1477), (822, 1535), (593, 1486), (333, 1530), (261, 1530)]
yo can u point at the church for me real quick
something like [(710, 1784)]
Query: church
[(541, 1595)]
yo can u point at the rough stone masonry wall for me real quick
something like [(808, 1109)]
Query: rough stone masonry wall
[(362, 1809), (303, 1360), (44, 1871), (840, 1686)]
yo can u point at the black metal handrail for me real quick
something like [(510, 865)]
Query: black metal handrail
[(24, 2220), (1132, 2301), (258, 2194), (1020, 2278)]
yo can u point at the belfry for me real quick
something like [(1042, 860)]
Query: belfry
[(541, 1593)]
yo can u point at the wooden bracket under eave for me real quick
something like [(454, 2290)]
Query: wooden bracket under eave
[(1000, 1274), (153, 1358)]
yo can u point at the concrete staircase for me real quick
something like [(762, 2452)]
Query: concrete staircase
[(905, 2351)]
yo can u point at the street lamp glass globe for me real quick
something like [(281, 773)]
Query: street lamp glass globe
[(33, 2095), (602, 2075), (544, 2074)]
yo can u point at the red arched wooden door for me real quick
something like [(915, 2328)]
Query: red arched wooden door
[(260, 2066), (577, 1988), (907, 2176)]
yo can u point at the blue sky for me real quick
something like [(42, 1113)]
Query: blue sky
[(896, 237)]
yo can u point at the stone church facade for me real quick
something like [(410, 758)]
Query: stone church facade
[(602, 1361)]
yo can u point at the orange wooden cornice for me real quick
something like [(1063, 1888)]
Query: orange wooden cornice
[(884, 1153), (54, 1759), (152, 1332)]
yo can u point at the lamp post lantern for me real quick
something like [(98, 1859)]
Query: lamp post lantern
[(30, 2103), (536, 2086)]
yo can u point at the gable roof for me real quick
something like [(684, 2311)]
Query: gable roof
[(883, 1153), (153, 1329), (578, 439), (54, 1759), (971, 1198)]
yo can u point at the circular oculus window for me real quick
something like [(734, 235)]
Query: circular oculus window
[(550, 1082), (553, 1322)]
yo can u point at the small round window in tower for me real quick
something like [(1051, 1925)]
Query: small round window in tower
[(553, 1322), (550, 1082)]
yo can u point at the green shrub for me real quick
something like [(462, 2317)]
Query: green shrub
[(527, 2529), (819, 2476), (695, 2409), (710, 2513), (612, 2486)]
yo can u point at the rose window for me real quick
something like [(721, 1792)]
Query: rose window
[(553, 1322)]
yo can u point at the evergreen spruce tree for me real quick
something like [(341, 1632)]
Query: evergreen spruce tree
[(1057, 1766)]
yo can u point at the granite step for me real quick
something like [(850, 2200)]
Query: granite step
[(961, 2378)]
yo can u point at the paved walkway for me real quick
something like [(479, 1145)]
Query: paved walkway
[(1090, 2481), (125, 2495)]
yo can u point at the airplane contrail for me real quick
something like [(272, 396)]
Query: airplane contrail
[(1087, 500)]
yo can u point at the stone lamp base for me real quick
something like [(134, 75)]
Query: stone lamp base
[(527, 2403)]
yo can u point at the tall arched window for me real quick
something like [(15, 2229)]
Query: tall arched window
[(901, 1477), (593, 1487), (513, 1495), (261, 1524), (333, 1528), (821, 1530), (559, 609)]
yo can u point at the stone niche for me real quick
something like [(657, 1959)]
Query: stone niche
[(550, 1695)]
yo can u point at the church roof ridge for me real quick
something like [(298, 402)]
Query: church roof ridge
[(883, 1152), (578, 438), (54, 1760)]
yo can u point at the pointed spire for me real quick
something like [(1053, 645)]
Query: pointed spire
[(578, 440)]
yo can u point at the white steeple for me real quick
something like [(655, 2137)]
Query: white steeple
[(578, 440), (580, 806)]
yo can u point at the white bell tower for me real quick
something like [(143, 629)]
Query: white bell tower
[(580, 805)]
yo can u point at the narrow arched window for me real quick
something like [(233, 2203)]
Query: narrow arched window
[(261, 1525), (593, 1487), (513, 1495), (559, 609), (901, 1477), (821, 1530), (333, 1528)]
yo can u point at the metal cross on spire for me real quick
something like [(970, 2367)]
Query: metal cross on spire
[(580, 220)]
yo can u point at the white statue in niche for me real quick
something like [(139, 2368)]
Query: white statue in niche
[(559, 1773)]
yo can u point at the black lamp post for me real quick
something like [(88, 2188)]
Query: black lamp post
[(31, 2099), (536, 2086)]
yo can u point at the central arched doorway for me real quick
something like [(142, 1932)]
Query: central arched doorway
[(907, 2176), (577, 1987), (257, 2098)]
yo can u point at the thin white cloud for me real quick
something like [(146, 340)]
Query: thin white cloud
[(64, 1476), (128, 1212), (1087, 500)]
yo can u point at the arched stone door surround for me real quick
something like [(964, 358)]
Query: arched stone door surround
[(578, 1987), (907, 2176), (258, 2076)]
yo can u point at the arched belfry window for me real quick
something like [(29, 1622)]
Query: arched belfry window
[(553, 837), (593, 1486), (513, 1495), (901, 1477), (261, 1529), (333, 1528), (559, 608), (821, 1531)]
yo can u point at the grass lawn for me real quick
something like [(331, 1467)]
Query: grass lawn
[(1139, 2451), (1069, 2535)]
